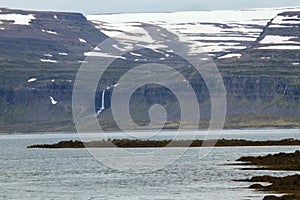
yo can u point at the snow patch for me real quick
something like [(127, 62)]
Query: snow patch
[(48, 55), (63, 54), (280, 26), (193, 27), (31, 80), (48, 60), (97, 49), (276, 39), (50, 32), (204, 59), (53, 101), (231, 55), (82, 61), (282, 47), (265, 58), (224, 38), (82, 40), (18, 19), (136, 54), (286, 20), (100, 54), (117, 47)]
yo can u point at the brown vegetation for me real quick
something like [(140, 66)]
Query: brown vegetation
[(126, 143)]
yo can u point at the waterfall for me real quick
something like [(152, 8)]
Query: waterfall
[(102, 103), (102, 106)]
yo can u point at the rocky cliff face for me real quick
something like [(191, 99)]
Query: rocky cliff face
[(261, 77), (267, 73), (42, 51), (40, 55)]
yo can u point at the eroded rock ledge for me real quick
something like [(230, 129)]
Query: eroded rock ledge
[(281, 161), (289, 186)]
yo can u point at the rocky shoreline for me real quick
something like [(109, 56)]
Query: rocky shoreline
[(281, 161), (126, 143), (289, 186)]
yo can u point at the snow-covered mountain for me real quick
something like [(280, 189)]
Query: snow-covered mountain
[(45, 37), (282, 33), (256, 51), (215, 32)]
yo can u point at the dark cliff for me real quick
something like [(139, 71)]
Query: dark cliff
[(39, 62)]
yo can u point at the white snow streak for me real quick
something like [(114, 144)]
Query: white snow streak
[(48, 60), (82, 40), (232, 55), (50, 32), (100, 54), (31, 80)]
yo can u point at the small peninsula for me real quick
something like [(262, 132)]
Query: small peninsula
[(127, 143)]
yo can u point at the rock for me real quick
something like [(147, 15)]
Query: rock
[(281, 161)]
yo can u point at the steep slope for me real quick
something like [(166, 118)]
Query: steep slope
[(32, 40), (260, 71), (40, 55), (265, 80), (255, 50), (215, 32)]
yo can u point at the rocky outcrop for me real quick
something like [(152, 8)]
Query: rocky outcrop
[(288, 185), (281, 161), (127, 143)]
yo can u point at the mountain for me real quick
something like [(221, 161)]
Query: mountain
[(40, 55), (257, 52), (215, 32)]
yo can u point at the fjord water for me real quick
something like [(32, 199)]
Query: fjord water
[(75, 174)]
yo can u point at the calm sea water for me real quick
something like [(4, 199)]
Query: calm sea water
[(75, 174)]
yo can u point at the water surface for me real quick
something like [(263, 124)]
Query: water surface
[(75, 174)]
